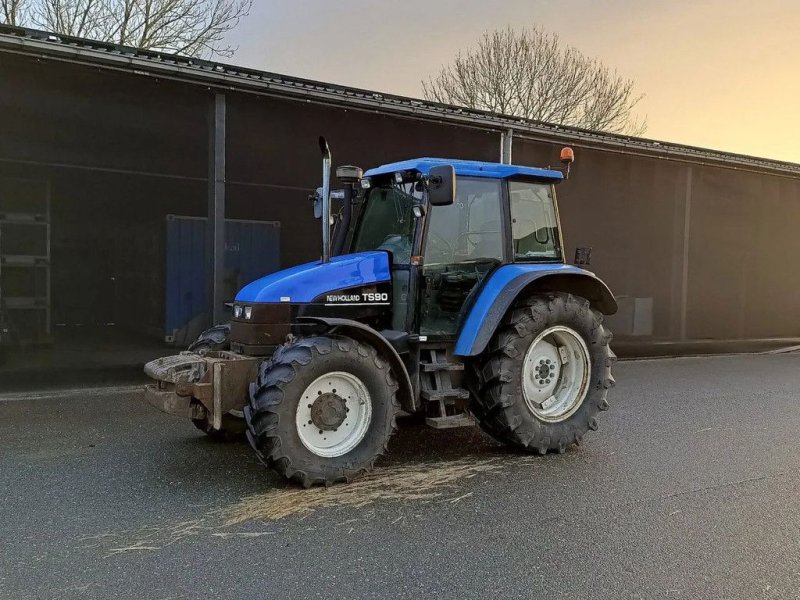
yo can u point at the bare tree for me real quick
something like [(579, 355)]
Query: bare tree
[(531, 74), (188, 27), (12, 11), (79, 18)]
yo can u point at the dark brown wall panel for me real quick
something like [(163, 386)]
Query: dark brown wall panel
[(772, 302), (624, 208), (58, 113), (742, 281), (274, 160)]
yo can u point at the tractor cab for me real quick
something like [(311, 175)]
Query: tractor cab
[(442, 247)]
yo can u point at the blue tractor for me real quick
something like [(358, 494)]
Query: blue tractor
[(444, 292)]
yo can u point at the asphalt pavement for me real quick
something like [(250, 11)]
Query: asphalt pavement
[(688, 490)]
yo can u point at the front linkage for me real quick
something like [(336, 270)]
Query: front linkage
[(205, 388)]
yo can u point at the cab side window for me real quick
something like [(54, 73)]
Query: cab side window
[(534, 226)]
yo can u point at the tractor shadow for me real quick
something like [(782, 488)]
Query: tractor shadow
[(227, 491), (231, 469), (416, 442), (423, 466)]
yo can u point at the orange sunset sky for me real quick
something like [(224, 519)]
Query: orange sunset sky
[(721, 74)]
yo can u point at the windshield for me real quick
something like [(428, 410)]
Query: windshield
[(387, 221)]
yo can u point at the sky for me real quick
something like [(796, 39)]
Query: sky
[(722, 74)]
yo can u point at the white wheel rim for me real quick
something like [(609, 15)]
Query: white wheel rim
[(327, 430), (555, 374)]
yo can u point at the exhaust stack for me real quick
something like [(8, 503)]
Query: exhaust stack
[(326, 199)]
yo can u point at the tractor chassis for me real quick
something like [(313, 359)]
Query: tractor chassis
[(196, 386)]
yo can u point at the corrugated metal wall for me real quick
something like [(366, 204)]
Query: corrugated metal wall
[(707, 245), (696, 251)]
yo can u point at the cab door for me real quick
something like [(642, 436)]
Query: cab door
[(461, 244)]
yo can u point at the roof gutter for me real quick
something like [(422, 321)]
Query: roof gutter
[(208, 74)]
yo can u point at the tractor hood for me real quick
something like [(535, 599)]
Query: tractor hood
[(304, 283)]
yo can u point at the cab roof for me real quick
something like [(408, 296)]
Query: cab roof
[(470, 168)]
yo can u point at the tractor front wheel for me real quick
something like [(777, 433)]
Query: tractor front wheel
[(232, 430), (323, 409), (545, 374)]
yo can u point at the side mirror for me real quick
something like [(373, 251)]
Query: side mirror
[(442, 185), (316, 199)]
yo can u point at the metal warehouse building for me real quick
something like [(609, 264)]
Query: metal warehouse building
[(113, 160)]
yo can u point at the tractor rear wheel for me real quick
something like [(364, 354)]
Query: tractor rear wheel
[(323, 409), (545, 374)]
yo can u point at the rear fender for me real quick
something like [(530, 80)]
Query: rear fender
[(506, 284), (368, 335)]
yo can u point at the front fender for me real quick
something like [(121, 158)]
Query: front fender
[(504, 285), (368, 335)]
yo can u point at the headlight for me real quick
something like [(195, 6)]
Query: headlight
[(240, 312)]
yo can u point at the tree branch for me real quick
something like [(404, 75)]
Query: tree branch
[(189, 27), (531, 74)]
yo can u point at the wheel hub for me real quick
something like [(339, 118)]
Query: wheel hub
[(555, 374), (545, 371), (334, 414), (328, 412)]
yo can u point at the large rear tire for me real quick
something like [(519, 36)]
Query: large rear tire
[(323, 409), (545, 374)]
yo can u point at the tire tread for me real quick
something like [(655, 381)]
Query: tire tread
[(496, 399), (269, 392)]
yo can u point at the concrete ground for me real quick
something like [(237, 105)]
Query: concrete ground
[(688, 490)]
